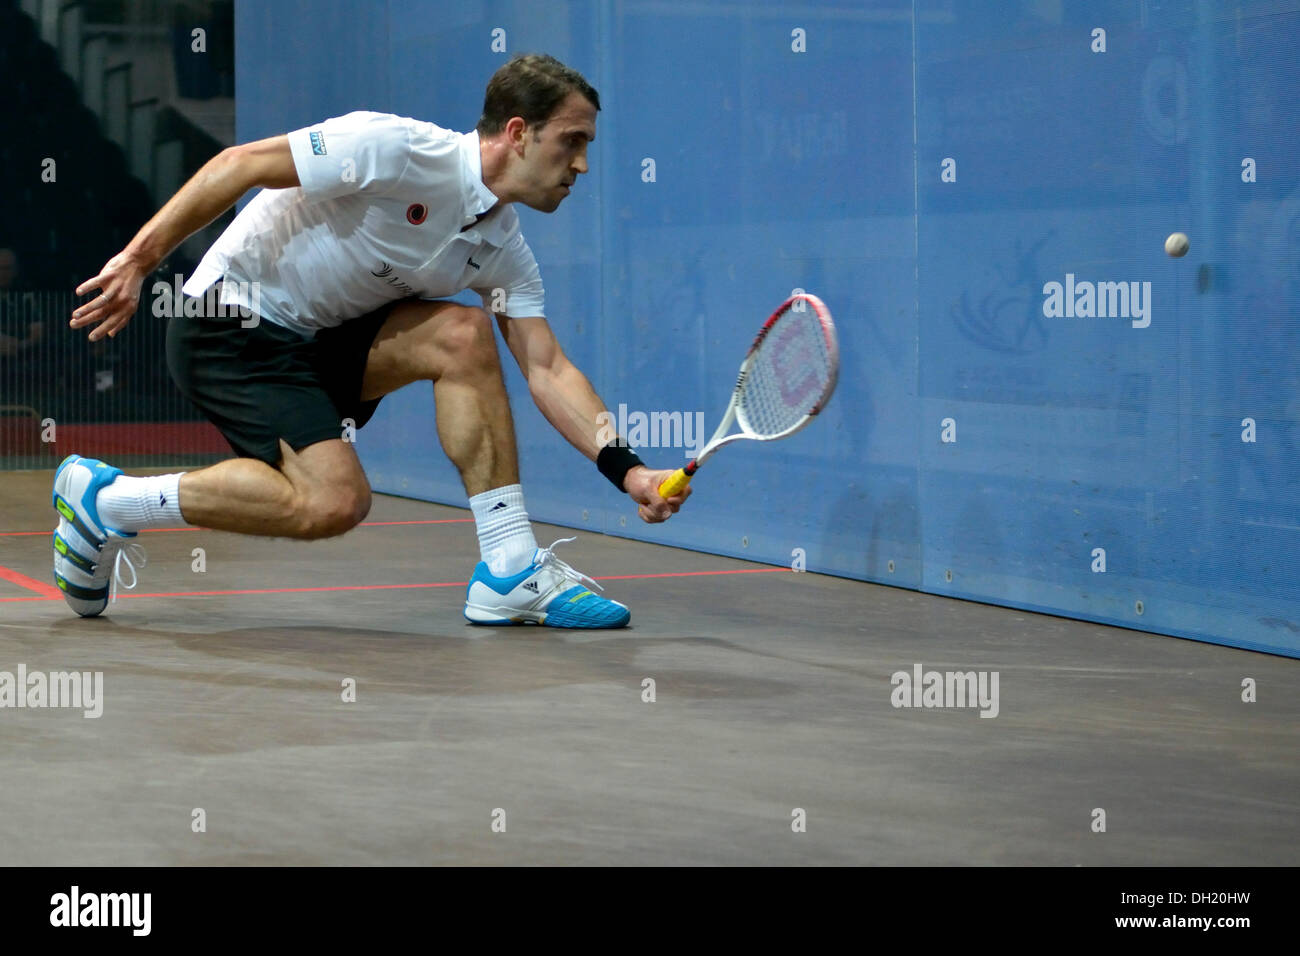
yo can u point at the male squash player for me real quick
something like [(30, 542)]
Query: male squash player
[(364, 223)]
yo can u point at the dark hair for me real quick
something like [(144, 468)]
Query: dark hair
[(530, 85)]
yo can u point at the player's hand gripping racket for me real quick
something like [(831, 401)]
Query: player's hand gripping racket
[(786, 379)]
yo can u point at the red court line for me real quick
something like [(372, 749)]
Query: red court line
[(364, 524), (382, 587), (48, 592), (686, 574)]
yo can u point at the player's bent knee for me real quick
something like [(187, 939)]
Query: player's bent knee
[(360, 507), (327, 515), (468, 339)]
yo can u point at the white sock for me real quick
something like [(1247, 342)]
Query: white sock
[(135, 504), (505, 536)]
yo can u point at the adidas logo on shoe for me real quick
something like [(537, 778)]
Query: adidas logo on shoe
[(531, 586)]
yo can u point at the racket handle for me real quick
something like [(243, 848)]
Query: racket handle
[(677, 481)]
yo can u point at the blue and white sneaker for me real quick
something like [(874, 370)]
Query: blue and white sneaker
[(89, 557), (546, 592)]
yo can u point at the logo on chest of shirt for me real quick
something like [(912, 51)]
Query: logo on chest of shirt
[(416, 213), (391, 278)]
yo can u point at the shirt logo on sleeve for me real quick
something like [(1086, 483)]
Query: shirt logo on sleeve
[(318, 142)]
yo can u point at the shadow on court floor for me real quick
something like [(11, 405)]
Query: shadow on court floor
[(223, 691)]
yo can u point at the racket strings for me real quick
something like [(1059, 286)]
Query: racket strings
[(788, 377)]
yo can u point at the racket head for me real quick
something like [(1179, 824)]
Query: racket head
[(790, 372)]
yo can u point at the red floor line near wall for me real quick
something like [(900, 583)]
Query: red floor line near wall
[(687, 574), (48, 591), (363, 587)]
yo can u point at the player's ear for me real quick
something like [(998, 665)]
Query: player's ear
[(516, 130)]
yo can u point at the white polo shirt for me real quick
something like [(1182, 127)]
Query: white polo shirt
[(378, 217)]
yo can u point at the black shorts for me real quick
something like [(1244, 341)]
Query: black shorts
[(264, 383)]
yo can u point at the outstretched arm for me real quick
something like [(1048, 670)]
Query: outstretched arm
[(566, 398), (212, 190)]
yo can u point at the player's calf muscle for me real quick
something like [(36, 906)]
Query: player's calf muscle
[(251, 497)]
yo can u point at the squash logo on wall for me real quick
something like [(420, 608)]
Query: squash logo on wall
[(1008, 319)]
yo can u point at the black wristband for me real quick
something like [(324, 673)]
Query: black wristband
[(614, 462)]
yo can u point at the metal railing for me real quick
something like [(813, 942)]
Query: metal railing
[(61, 393)]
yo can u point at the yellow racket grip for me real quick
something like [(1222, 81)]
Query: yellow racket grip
[(677, 481)]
